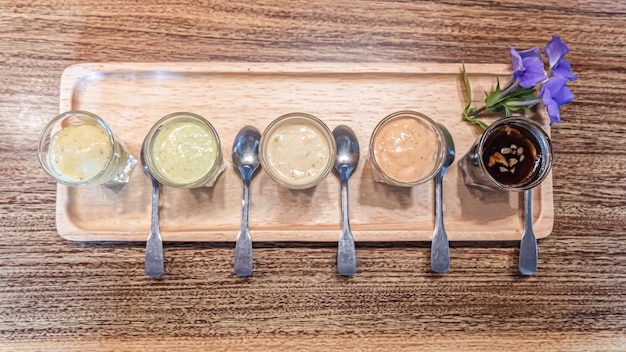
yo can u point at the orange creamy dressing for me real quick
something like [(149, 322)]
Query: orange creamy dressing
[(405, 149)]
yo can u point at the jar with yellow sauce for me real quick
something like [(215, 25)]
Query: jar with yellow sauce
[(406, 148), (77, 148), (183, 150)]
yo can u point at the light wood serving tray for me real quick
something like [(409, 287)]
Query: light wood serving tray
[(131, 97)]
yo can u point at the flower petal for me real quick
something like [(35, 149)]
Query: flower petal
[(563, 96), (554, 84), (554, 113), (554, 93), (551, 106), (518, 65), (555, 50), (532, 52), (564, 69), (533, 72)]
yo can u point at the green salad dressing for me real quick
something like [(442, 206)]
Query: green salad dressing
[(184, 151)]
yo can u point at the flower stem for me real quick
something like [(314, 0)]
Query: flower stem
[(477, 111), (508, 90), (529, 103)]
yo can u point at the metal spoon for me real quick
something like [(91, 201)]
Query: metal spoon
[(246, 160), (528, 253), (345, 163), (154, 267), (440, 248)]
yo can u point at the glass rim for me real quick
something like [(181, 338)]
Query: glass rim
[(323, 128), (147, 145), (543, 140), (45, 135), (440, 157)]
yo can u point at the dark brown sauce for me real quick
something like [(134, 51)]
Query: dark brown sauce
[(497, 146)]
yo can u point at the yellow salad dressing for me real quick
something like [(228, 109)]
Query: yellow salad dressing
[(80, 152)]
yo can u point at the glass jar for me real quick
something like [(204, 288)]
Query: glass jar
[(183, 150), (297, 150), (77, 148), (406, 148), (512, 154)]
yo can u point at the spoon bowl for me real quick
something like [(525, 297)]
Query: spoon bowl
[(154, 266), (347, 148), (440, 247), (246, 149), (246, 160), (347, 158)]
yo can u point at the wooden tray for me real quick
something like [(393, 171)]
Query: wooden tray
[(133, 96)]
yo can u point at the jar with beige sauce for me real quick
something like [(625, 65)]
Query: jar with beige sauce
[(297, 150), (183, 150), (406, 148)]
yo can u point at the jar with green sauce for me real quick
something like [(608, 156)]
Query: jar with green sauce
[(183, 150)]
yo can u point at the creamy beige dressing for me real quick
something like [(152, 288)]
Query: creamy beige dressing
[(184, 151), (80, 152), (297, 153), (405, 149)]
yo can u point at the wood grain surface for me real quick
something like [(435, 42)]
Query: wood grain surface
[(60, 295)]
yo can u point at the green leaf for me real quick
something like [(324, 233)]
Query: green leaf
[(473, 119), (492, 101), (482, 124), (522, 94), (496, 108), (468, 89), (527, 110), (467, 112)]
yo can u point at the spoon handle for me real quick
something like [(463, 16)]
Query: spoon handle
[(346, 252), (528, 253), (440, 248), (243, 247), (154, 267)]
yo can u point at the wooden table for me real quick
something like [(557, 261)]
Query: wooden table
[(56, 294)]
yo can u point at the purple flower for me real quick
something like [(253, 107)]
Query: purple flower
[(555, 93), (527, 66), (555, 50), (564, 69), (532, 52)]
